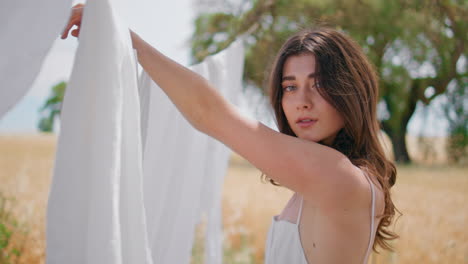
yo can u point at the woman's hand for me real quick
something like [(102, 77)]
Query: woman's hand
[(75, 20)]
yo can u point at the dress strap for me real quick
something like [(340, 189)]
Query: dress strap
[(298, 219), (372, 217)]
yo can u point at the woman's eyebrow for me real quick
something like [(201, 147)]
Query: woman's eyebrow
[(292, 78), (288, 78)]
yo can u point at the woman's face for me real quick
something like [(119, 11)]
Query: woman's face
[(309, 115)]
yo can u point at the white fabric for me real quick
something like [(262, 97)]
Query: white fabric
[(95, 210), (108, 204), (184, 168), (283, 240), (27, 31)]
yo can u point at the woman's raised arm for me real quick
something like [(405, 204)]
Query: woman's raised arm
[(319, 173)]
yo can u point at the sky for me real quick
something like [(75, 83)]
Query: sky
[(167, 25)]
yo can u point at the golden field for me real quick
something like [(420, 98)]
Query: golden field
[(433, 199)]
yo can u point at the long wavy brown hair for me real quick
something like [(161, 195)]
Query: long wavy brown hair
[(348, 81)]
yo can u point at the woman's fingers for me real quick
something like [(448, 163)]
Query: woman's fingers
[(75, 22), (75, 32), (75, 19), (67, 28)]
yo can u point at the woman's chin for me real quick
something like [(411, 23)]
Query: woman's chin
[(308, 138)]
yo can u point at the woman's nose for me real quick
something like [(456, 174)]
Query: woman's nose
[(304, 106), (304, 101)]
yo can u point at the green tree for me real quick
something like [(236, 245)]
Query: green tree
[(400, 37), (52, 107), (456, 112)]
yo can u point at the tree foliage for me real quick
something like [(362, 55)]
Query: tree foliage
[(414, 45), (456, 112), (52, 107)]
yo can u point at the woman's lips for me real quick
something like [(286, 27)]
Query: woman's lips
[(306, 123)]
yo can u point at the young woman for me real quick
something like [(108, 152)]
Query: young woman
[(324, 93)]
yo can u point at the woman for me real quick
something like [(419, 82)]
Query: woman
[(324, 93)]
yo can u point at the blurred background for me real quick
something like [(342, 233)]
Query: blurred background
[(418, 48)]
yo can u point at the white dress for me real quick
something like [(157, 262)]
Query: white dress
[(284, 244)]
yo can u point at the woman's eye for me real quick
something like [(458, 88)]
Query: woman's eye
[(288, 88)]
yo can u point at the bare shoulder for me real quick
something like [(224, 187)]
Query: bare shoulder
[(354, 193), (366, 181), (350, 190)]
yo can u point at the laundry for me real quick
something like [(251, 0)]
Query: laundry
[(132, 178), (95, 209), (183, 168), (24, 44)]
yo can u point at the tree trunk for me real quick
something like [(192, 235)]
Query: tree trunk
[(399, 148), (397, 136)]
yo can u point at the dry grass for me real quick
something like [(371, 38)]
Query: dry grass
[(432, 199), (25, 167)]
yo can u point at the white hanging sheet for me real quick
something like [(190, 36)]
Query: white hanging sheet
[(27, 31), (95, 210), (183, 168), (107, 204)]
